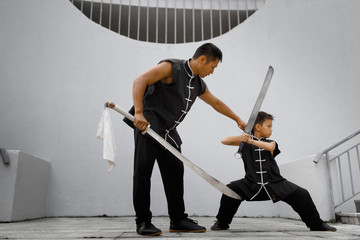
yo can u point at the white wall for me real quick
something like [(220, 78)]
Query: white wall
[(57, 68)]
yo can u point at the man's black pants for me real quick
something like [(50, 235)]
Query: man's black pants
[(172, 174)]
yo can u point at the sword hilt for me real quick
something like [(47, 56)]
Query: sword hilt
[(240, 148), (112, 105)]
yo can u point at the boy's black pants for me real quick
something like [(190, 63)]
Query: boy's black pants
[(172, 174), (300, 200)]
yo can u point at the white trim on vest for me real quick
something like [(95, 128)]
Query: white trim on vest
[(261, 172), (187, 99)]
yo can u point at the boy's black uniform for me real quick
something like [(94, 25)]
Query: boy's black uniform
[(263, 182)]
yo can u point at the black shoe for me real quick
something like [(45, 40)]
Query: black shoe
[(324, 227), (147, 229), (219, 226), (186, 225)]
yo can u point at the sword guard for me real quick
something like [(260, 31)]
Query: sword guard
[(238, 153), (145, 131)]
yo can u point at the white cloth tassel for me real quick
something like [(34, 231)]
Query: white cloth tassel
[(105, 132)]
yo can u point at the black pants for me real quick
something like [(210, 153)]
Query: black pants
[(300, 200), (172, 174)]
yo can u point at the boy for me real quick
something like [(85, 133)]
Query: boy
[(263, 180), (162, 97)]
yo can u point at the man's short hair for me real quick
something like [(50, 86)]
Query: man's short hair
[(210, 51)]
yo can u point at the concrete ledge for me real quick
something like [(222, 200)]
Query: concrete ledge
[(313, 177), (23, 187), (348, 218)]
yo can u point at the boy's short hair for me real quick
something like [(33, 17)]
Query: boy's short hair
[(210, 51), (260, 119)]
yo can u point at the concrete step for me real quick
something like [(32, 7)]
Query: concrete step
[(348, 218), (357, 205)]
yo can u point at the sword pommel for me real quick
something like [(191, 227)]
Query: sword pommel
[(109, 104)]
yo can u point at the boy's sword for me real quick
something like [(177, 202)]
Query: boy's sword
[(213, 181), (258, 103)]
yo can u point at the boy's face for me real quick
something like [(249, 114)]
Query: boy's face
[(208, 68), (265, 130)]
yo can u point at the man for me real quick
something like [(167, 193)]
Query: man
[(162, 97)]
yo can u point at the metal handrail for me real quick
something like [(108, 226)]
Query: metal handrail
[(337, 157), (318, 156)]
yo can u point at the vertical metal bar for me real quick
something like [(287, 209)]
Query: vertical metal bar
[(129, 18), (247, 9), (202, 21), (351, 175), (358, 155), (101, 11), (220, 20), (138, 22), (147, 22), (341, 179), (238, 12), (229, 19), (91, 9), (157, 21), (119, 27), (110, 14), (193, 20), (166, 21), (175, 23), (211, 21), (184, 21), (331, 190), (82, 5)]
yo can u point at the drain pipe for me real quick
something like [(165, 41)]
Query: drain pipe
[(4, 156)]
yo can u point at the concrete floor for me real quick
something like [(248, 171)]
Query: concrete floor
[(124, 228)]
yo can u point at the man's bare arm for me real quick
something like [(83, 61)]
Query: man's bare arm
[(161, 72), (221, 107)]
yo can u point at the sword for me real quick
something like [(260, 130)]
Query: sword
[(213, 181), (258, 103)]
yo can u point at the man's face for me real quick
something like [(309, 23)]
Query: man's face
[(208, 68)]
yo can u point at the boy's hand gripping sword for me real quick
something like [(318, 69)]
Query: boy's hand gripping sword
[(259, 101), (216, 183)]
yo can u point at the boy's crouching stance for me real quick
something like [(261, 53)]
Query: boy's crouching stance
[(263, 180)]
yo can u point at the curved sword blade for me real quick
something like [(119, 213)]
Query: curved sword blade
[(259, 100), (213, 181)]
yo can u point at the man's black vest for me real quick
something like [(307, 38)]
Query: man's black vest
[(166, 105)]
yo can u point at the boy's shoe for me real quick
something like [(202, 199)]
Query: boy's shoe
[(324, 227), (220, 226), (186, 225), (147, 229)]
